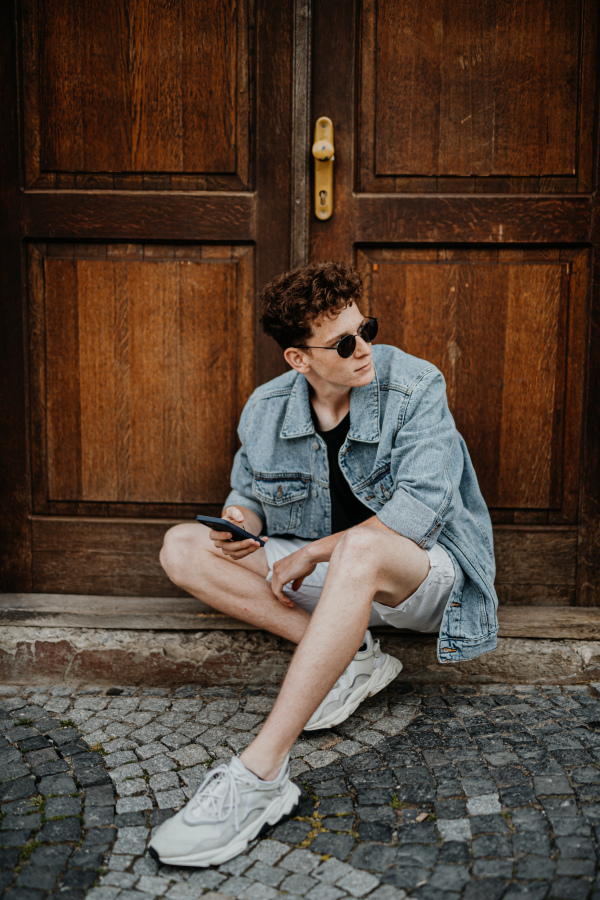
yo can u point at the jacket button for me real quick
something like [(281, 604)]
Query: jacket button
[(316, 445), (314, 534), (315, 493)]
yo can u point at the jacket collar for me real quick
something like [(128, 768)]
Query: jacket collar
[(364, 412)]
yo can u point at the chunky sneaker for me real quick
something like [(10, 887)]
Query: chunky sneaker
[(369, 672), (228, 810)]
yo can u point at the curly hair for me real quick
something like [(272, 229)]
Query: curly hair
[(296, 299)]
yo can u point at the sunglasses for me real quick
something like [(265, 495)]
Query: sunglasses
[(347, 345)]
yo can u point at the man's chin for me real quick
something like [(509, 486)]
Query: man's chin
[(366, 375)]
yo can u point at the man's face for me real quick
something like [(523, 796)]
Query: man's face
[(328, 365)]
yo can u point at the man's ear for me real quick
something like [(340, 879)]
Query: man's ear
[(297, 359)]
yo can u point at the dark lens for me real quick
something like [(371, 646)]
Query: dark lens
[(347, 346), (369, 330)]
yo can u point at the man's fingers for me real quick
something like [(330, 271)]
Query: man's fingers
[(223, 542), (233, 514), (239, 554), (278, 591), (239, 549), (220, 537)]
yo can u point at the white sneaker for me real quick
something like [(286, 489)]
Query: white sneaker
[(228, 810), (369, 672)]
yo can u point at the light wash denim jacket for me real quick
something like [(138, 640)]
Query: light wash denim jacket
[(403, 458)]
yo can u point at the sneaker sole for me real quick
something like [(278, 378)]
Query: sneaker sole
[(280, 807), (379, 679)]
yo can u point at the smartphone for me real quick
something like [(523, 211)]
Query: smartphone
[(223, 525)]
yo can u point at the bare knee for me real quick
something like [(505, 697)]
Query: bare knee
[(377, 555), (182, 547), (357, 548)]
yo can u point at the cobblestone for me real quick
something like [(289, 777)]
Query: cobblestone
[(506, 779)]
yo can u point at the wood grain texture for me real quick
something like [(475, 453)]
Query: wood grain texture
[(537, 59), (537, 556), (588, 561), (475, 92), (170, 612), (61, 335), (387, 219), (137, 90), (274, 36), (528, 399), (580, 276), (84, 215), (334, 73), (534, 565), (301, 139), (589, 64), (61, 144), (175, 613), (119, 557), (407, 86), (99, 305), (147, 364), (109, 535), (494, 320), (525, 595), (15, 487), (555, 624), (36, 327)]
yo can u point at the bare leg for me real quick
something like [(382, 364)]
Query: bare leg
[(236, 588), (367, 563)]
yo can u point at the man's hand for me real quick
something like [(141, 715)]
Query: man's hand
[(294, 568), (235, 549)]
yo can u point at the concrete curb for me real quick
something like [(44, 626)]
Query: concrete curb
[(33, 655)]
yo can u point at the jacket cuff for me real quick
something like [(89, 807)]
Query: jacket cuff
[(411, 518), (236, 499)]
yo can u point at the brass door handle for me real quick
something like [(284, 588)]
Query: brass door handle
[(323, 152)]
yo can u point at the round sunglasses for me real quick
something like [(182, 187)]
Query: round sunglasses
[(347, 345)]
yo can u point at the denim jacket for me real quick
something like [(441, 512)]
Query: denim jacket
[(403, 458)]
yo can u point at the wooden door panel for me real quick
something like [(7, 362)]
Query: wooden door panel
[(100, 556), (142, 358), (439, 109), (120, 558), (535, 565), (496, 322), (138, 95), (146, 180), (475, 96)]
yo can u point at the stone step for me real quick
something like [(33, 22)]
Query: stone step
[(160, 641), (189, 614)]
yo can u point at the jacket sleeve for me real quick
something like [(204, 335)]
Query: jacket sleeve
[(420, 462), (241, 473)]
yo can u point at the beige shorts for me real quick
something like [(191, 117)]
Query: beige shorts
[(422, 611)]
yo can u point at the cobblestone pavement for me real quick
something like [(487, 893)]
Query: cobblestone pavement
[(430, 792)]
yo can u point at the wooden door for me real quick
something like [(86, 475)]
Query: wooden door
[(465, 192), (152, 178), (145, 192)]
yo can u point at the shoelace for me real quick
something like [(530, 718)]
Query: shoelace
[(219, 798)]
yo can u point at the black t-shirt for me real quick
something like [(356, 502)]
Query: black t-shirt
[(346, 509)]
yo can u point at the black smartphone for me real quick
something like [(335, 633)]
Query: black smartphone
[(223, 525)]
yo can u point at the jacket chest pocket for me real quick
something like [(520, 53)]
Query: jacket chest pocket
[(282, 498), (378, 489)]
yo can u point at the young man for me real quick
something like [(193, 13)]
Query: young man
[(352, 466)]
